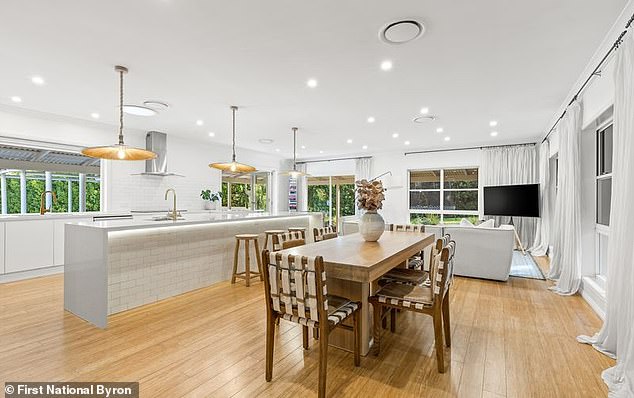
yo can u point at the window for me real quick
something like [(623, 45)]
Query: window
[(443, 195), (247, 191), (604, 151), (333, 196)]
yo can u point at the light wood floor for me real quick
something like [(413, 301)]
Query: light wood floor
[(513, 339)]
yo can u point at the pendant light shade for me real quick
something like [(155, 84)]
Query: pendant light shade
[(294, 172), (233, 166), (119, 151)]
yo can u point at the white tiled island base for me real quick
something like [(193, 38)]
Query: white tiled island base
[(113, 266)]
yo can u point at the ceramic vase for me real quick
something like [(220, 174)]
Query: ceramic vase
[(371, 226)]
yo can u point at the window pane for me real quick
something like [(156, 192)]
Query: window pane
[(426, 200), (318, 200), (428, 179), (456, 218), (604, 196), (60, 187), (260, 191), (13, 193), (34, 187), (239, 195), (93, 188), (604, 151), (347, 200), (461, 200), (461, 178), (225, 194), (427, 219)]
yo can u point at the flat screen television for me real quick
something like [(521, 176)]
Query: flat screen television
[(512, 200)]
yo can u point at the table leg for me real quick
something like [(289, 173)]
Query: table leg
[(356, 291)]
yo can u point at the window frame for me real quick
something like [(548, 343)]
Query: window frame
[(442, 212), (601, 230)]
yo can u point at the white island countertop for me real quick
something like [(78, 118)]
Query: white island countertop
[(187, 219)]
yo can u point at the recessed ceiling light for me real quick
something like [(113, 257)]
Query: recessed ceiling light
[(94, 115), (364, 147), (212, 134), (303, 146), (447, 138), (277, 149), (161, 105), (312, 83), (424, 111), (371, 119), (406, 143), (493, 123), (265, 141), (138, 110), (386, 65), (39, 80), (494, 133), (349, 140), (394, 135), (321, 151), (439, 130), (16, 99), (199, 122), (401, 32)]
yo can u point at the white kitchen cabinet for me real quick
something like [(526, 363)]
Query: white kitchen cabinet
[(28, 245), (58, 238)]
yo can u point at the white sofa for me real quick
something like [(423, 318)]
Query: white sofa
[(483, 252)]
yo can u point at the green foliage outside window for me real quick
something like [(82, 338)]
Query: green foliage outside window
[(347, 199), (92, 195), (239, 195), (13, 195)]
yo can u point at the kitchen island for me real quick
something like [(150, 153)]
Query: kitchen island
[(113, 266)]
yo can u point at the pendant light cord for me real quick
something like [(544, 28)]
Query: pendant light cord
[(233, 147), (120, 107)]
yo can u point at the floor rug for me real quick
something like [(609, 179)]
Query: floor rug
[(524, 266)]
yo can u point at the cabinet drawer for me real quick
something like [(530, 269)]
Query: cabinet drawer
[(28, 245)]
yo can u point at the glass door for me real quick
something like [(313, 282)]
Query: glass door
[(333, 196)]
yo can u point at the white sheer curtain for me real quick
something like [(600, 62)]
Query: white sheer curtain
[(363, 170), (542, 231), (565, 267), (511, 165), (617, 334)]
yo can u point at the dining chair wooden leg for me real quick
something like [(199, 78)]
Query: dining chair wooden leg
[(440, 348), (356, 317), (377, 328), (446, 321), (270, 339), (323, 364), (305, 337), (393, 320), (257, 256), (235, 262)]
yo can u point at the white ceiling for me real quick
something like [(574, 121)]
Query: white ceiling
[(511, 61)]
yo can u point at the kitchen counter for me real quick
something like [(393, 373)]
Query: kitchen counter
[(116, 265), (146, 221)]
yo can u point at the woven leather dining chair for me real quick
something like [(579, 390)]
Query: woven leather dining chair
[(431, 300), (295, 290), (288, 240), (325, 233)]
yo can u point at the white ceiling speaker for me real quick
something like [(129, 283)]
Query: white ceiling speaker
[(401, 32)]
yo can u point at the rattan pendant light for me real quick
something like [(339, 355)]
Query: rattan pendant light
[(295, 173), (233, 166), (119, 151)]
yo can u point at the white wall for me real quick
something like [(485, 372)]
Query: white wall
[(122, 189)]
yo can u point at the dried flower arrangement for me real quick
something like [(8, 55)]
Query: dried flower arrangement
[(370, 195)]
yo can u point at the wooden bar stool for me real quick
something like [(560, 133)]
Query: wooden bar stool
[(298, 229), (269, 234), (247, 274)]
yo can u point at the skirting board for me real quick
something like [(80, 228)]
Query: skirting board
[(34, 273), (594, 296)]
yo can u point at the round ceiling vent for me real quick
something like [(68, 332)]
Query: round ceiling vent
[(423, 119), (401, 32)]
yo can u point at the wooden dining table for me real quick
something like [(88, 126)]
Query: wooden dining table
[(353, 267)]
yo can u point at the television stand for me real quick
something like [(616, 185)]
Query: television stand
[(517, 237)]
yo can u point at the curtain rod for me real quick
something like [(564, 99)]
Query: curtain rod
[(467, 148), (334, 160), (595, 72)]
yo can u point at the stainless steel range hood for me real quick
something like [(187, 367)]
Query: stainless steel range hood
[(157, 142)]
